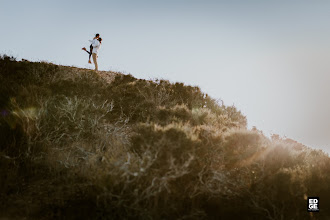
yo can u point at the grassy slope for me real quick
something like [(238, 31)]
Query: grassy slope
[(76, 144)]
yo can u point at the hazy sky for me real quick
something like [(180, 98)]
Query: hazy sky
[(268, 58)]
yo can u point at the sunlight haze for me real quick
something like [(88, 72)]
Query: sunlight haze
[(268, 58)]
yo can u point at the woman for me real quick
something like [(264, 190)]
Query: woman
[(96, 44), (97, 37)]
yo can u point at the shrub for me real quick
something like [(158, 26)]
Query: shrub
[(141, 149)]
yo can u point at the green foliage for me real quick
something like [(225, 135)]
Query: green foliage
[(110, 146)]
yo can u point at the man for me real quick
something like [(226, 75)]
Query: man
[(97, 36), (94, 48), (96, 43)]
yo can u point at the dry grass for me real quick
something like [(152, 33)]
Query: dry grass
[(79, 144)]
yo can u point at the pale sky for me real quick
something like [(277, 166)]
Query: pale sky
[(268, 58)]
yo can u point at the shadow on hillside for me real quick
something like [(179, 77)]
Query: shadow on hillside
[(76, 144)]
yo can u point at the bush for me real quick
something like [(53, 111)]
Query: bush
[(86, 147)]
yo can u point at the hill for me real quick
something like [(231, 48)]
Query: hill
[(76, 144)]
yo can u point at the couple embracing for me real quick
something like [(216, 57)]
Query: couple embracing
[(94, 49)]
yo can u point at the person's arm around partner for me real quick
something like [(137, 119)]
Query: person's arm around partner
[(95, 43)]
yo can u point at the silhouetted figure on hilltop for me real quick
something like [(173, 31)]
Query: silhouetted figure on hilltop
[(94, 48)]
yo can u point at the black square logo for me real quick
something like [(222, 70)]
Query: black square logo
[(313, 204)]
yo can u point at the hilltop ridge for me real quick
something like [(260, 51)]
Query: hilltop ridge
[(78, 144)]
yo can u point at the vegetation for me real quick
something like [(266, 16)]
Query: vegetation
[(80, 145)]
